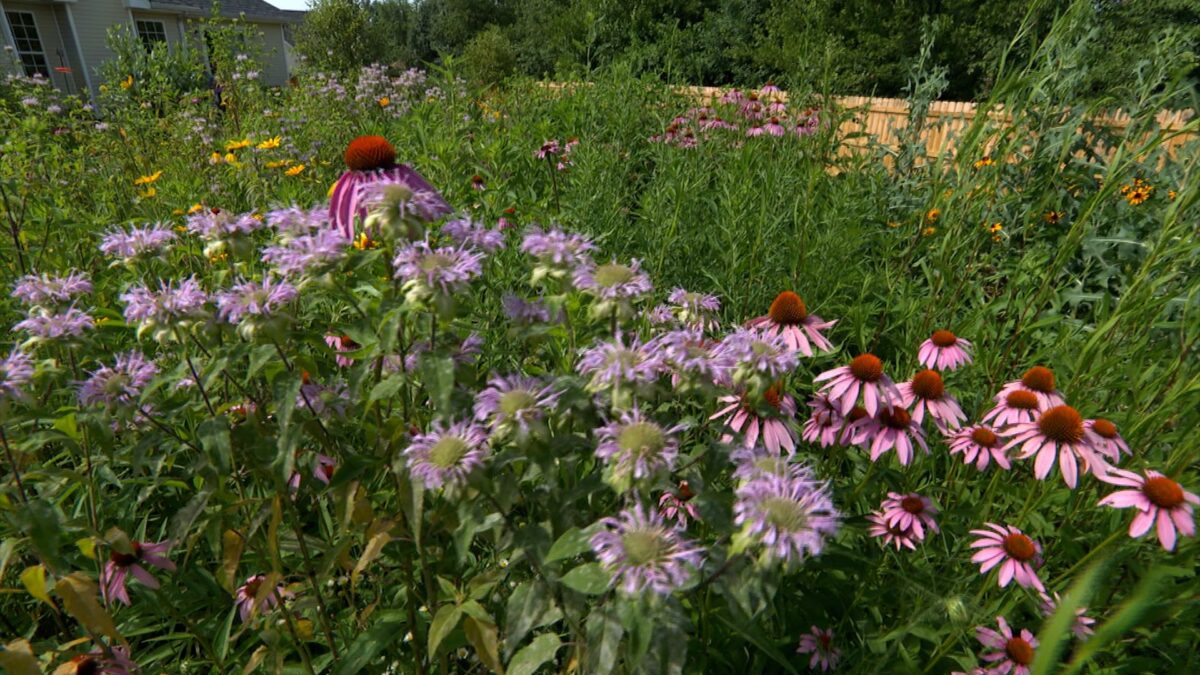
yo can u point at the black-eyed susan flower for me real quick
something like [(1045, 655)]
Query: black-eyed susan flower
[(148, 179), (295, 170), (1053, 217), (270, 143), (985, 161), (237, 145), (932, 215), (127, 82)]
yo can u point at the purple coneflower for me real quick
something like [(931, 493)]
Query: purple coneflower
[(790, 517), (825, 423), (1039, 381), (1081, 627), (323, 400), (864, 374), (789, 317), (1105, 439), (636, 447), (121, 565), (116, 660), (342, 344), (427, 271), (1014, 652), (1018, 406), (910, 511), (120, 384), (446, 455), (773, 127), (890, 428), (613, 281), (467, 232), (1057, 433), (137, 243), (981, 445), (678, 506), (370, 159), (1010, 548), (743, 417), (47, 291), (944, 351), (1160, 501), (892, 535), (643, 553), (16, 370), (248, 601), (613, 364), (323, 468), (514, 402), (927, 391), (254, 299), (819, 643)]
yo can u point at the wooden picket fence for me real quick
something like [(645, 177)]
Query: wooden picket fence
[(882, 120)]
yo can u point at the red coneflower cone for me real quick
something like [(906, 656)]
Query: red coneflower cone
[(370, 159)]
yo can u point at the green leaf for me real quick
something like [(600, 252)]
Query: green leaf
[(34, 580), (1057, 628), (368, 645), (532, 656), (445, 621), (221, 644), (588, 578), (604, 632), (527, 605), (485, 640), (1140, 601), (386, 388), (572, 543), (213, 435), (437, 373)]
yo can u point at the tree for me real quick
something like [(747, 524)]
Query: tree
[(339, 35)]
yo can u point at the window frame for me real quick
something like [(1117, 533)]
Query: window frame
[(149, 37), (33, 61)]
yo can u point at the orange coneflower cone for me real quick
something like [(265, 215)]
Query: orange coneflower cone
[(369, 160)]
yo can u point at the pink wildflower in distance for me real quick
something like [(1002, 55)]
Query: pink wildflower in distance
[(1081, 627), (1012, 550), (1105, 439), (864, 375), (1038, 380), (819, 643), (981, 445), (678, 505), (694, 310), (743, 416), (890, 428), (789, 317), (1161, 503), (342, 344), (825, 423), (892, 535), (944, 351), (248, 601), (1013, 651)]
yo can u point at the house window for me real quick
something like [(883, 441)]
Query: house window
[(29, 43), (151, 32)]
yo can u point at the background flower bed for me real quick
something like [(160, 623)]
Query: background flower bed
[(1038, 258)]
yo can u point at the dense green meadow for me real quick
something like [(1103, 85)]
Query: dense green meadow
[(489, 440)]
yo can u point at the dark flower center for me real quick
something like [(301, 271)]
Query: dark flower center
[(127, 559), (1021, 399), (824, 640), (1062, 423), (913, 504), (685, 491), (1019, 651), (788, 309), (86, 665), (367, 153), (1019, 547), (896, 418), (772, 395), (984, 437), (1163, 492), (943, 338), (856, 413), (1104, 428), (867, 368), (1039, 378), (928, 384)]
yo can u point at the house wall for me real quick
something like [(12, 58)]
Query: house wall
[(93, 18), (274, 56), (52, 40)]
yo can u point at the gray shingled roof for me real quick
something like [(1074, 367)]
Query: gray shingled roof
[(252, 9)]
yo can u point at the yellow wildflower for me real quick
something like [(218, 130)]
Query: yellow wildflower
[(1054, 217), (127, 82), (146, 180), (270, 143), (295, 170), (384, 101), (148, 192), (362, 242), (257, 216), (1171, 194), (928, 231), (237, 145), (180, 229), (996, 228), (278, 164), (331, 189), (932, 215), (893, 224), (215, 158), (177, 212), (195, 208), (985, 161), (220, 257), (231, 158)]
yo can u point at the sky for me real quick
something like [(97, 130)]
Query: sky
[(290, 4)]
